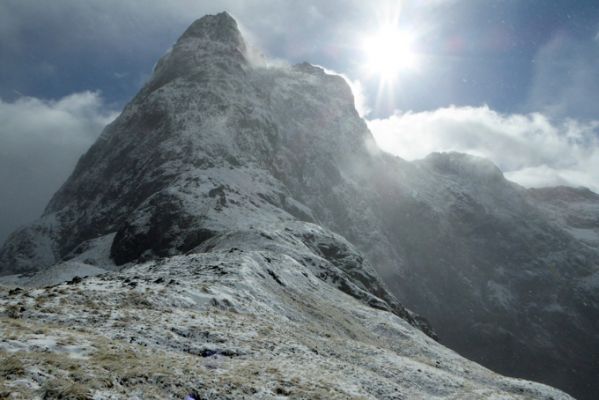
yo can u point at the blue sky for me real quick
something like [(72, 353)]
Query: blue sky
[(477, 52), (514, 80)]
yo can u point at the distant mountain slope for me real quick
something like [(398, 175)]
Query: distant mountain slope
[(500, 276), (215, 146), (575, 210)]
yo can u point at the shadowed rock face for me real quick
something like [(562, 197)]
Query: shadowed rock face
[(215, 145), (502, 280)]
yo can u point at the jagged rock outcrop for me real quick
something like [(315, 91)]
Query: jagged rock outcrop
[(216, 150)]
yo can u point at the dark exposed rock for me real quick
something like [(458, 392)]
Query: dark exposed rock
[(75, 280)]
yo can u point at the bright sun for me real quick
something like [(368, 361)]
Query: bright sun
[(388, 53)]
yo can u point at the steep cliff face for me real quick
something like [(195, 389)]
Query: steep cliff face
[(216, 150), (210, 144)]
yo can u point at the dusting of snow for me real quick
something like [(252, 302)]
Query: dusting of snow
[(233, 323)]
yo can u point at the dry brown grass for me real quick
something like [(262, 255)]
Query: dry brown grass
[(60, 389), (137, 300), (11, 365), (14, 311)]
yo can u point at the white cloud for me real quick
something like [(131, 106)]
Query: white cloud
[(540, 176), (531, 149), (360, 98), (40, 142)]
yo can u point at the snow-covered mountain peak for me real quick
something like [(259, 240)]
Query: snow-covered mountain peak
[(212, 45), (221, 27), (466, 166)]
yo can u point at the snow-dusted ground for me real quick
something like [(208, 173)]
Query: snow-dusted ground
[(260, 323), (53, 275)]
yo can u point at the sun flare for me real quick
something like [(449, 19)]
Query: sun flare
[(389, 52)]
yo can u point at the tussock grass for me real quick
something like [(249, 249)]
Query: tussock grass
[(13, 311), (11, 366), (60, 389), (137, 300)]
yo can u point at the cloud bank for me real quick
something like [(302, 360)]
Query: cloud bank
[(40, 142), (531, 149)]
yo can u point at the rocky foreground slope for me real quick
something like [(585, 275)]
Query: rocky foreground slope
[(266, 320), (222, 158)]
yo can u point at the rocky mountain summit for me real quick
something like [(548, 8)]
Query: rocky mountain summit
[(247, 208)]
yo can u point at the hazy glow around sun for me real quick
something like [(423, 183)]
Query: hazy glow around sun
[(389, 52)]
